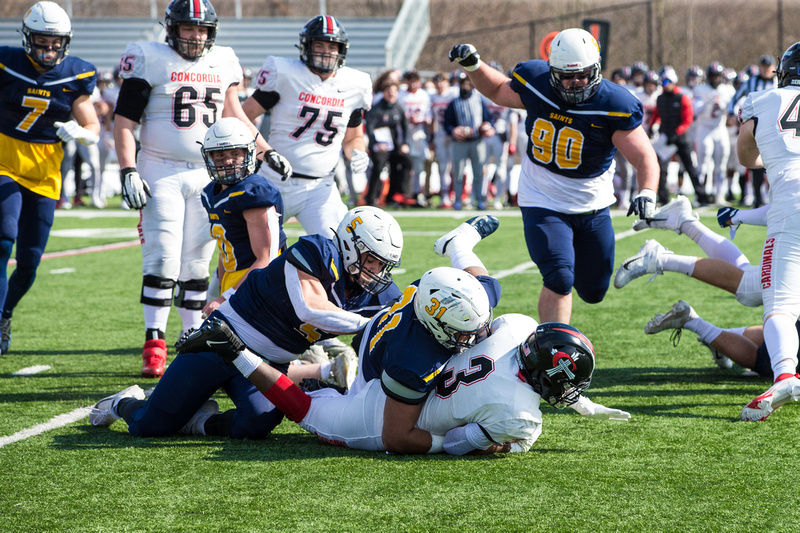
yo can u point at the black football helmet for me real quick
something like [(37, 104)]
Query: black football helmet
[(192, 13), (714, 73), (323, 28), (639, 67), (787, 68), (694, 75), (557, 360)]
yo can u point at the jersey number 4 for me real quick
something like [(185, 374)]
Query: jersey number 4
[(562, 146), (790, 118)]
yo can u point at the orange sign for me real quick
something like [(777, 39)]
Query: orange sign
[(544, 45)]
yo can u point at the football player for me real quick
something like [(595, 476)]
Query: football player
[(317, 106), (575, 123), (486, 400), (176, 91), (775, 145), (406, 346), (444, 94), (40, 86), (317, 289)]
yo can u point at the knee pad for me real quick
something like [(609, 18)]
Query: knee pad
[(560, 280), (196, 285), (156, 282), (592, 296)]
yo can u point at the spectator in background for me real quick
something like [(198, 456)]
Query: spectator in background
[(674, 113), (497, 146), (442, 150), (763, 80), (467, 120), (387, 131), (417, 104)]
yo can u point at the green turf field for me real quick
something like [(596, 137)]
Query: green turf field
[(683, 462)]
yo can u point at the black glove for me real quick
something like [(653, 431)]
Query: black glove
[(644, 204), (278, 163), (466, 55)]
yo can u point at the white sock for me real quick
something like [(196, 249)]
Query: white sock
[(737, 331), (325, 370), (678, 263), (780, 336), (192, 318), (155, 317), (756, 217), (706, 331), (462, 259), (713, 245)]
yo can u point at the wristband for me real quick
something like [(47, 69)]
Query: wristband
[(437, 443), (247, 362)]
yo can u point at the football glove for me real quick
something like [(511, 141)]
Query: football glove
[(134, 189), (359, 161), (644, 204), (466, 55), (725, 218), (71, 130), (587, 407), (279, 164)]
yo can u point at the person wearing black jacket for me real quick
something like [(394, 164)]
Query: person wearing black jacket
[(387, 130), (675, 113)]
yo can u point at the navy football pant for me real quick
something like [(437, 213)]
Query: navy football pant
[(25, 217), (188, 382), (571, 250)]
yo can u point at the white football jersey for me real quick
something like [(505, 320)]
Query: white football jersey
[(309, 122), (483, 385), (439, 103), (187, 97), (778, 140), (711, 105), (499, 115)]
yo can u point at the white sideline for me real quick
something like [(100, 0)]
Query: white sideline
[(53, 423), (30, 370)]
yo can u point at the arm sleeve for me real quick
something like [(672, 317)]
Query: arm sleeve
[(687, 115), (266, 99), (356, 117), (335, 321), (133, 97)]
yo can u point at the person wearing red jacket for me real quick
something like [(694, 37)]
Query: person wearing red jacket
[(675, 113)]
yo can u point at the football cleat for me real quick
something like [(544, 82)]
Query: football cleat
[(343, 369), (647, 261), (216, 336), (5, 335), (154, 358), (196, 425), (675, 318), (780, 393), (725, 216), (670, 216), (720, 359), (467, 234), (104, 412)]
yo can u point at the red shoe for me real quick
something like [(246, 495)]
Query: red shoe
[(154, 356)]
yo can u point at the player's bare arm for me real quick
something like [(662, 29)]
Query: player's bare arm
[(85, 114), (746, 148), (125, 141), (637, 149), (353, 140), (399, 434)]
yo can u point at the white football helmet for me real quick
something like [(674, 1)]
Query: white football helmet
[(575, 52), (366, 234), (453, 306), (225, 134), (47, 19)]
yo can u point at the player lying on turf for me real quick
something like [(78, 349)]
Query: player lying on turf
[(744, 346), (406, 346), (487, 399)]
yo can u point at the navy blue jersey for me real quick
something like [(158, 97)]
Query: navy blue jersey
[(263, 301), (228, 225), (572, 140), (31, 101), (400, 351)]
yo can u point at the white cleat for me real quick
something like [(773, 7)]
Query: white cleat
[(780, 393), (104, 412), (196, 425), (670, 216), (647, 261), (466, 235), (720, 359), (675, 318), (343, 369)]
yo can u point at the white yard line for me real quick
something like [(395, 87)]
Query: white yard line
[(31, 370), (53, 423)]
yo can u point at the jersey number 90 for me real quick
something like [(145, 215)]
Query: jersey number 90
[(560, 146)]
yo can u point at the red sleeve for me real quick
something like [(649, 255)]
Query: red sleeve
[(687, 115)]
